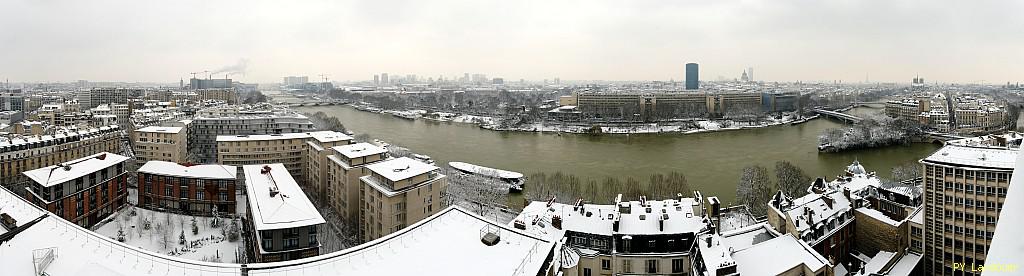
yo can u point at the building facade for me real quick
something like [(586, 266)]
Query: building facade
[(234, 121), (82, 191), (345, 166), (161, 143), (398, 193), (303, 154), (965, 184), (28, 153), (196, 190), (283, 223)]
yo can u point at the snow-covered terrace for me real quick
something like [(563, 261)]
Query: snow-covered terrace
[(413, 250)]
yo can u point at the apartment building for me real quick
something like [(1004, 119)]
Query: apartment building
[(235, 120), (23, 153), (282, 221), (82, 191), (301, 153), (101, 96), (677, 236), (227, 95), (965, 184), (347, 164), (161, 143), (318, 149), (822, 219), (398, 193), (196, 189)]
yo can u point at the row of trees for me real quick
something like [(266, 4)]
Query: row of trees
[(569, 187)]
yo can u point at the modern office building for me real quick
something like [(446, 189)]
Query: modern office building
[(692, 76), (12, 100), (398, 193), (82, 191), (210, 123), (965, 185), (100, 96), (347, 164), (194, 189), (22, 154), (161, 143), (195, 83), (283, 222), (303, 154)]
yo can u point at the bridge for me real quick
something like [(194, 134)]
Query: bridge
[(869, 104), (846, 118), (327, 103)]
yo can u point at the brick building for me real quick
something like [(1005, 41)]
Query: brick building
[(187, 189), (82, 191)]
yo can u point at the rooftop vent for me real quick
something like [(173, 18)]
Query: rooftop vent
[(401, 169), (490, 235)]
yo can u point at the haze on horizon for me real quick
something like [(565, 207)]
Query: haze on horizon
[(809, 40)]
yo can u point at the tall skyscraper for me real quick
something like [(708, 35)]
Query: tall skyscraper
[(692, 81), (384, 79), (376, 80), (750, 73)]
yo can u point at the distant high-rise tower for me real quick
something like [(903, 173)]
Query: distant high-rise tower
[(692, 76), (384, 79), (376, 80), (750, 73)]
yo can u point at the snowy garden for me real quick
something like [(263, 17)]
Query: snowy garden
[(212, 239)]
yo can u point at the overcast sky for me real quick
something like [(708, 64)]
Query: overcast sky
[(115, 40)]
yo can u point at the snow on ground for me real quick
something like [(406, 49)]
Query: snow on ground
[(164, 235)]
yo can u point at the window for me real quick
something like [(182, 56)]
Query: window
[(606, 264), (677, 266), (652, 266), (586, 272), (627, 266)]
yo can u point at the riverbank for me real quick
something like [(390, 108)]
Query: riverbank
[(681, 127)]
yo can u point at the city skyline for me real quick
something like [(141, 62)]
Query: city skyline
[(353, 40)]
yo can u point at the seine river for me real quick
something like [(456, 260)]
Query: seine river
[(711, 162)]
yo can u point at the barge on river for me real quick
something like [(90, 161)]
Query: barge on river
[(515, 180)]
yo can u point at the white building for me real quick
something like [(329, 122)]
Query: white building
[(284, 223)]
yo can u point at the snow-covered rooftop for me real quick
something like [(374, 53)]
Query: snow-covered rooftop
[(322, 136), (775, 256), (905, 265), (288, 208), (454, 230), (598, 219), (877, 216), (974, 157), (52, 175), (211, 171), (358, 150), (14, 141), (401, 168), (329, 136), (160, 129), (817, 210)]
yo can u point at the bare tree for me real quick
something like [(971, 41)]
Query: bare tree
[(754, 189), (791, 179), (906, 171)]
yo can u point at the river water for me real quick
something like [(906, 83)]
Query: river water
[(711, 162)]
